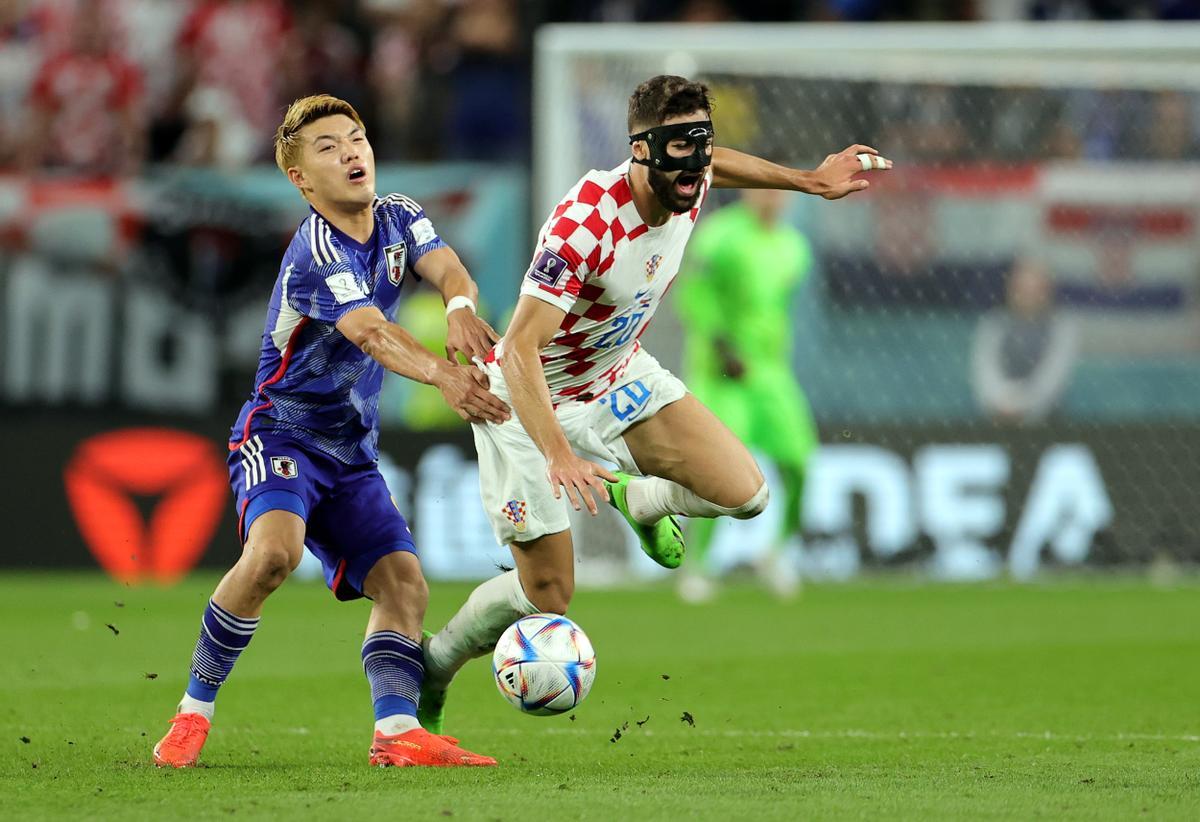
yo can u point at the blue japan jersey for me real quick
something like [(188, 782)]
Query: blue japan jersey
[(313, 384)]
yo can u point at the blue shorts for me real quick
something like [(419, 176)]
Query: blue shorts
[(352, 520)]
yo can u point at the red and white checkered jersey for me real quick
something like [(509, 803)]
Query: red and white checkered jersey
[(598, 261)]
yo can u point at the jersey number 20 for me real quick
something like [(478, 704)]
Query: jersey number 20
[(623, 328)]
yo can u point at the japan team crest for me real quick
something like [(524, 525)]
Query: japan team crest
[(395, 255), (284, 467), (652, 266), (514, 509)]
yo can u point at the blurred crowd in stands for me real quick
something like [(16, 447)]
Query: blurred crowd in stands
[(103, 87)]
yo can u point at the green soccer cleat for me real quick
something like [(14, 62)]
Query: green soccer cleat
[(431, 710), (662, 541)]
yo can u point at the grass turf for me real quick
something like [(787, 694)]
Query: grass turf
[(1073, 699)]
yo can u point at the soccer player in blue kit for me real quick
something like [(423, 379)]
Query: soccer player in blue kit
[(303, 451)]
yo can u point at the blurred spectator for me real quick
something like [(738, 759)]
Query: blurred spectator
[(866, 11), (706, 11), (407, 101), (26, 30), (1114, 9), (488, 71), (1177, 9), (235, 58), (1104, 121), (1023, 124), (332, 43), (1170, 134), (924, 122), (1024, 353), (86, 101)]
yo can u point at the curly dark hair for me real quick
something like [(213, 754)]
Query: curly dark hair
[(663, 97)]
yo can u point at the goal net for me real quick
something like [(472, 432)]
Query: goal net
[(1000, 340)]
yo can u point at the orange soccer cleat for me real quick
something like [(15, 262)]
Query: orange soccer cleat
[(180, 748), (419, 747)]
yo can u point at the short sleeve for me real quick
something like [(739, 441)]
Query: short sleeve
[(421, 237), (326, 294), (419, 234), (566, 256), (322, 283)]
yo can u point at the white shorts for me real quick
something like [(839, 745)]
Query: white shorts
[(516, 494)]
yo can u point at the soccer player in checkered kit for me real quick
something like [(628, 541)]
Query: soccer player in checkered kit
[(303, 452), (573, 369)]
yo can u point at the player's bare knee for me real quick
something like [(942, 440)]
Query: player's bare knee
[(270, 561), (754, 505)]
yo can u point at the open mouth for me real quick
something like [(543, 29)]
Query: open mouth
[(357, 174), (686, 184)]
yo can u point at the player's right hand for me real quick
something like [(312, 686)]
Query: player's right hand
[(465, 389), (835, 178), (579, 477), (468, 334)]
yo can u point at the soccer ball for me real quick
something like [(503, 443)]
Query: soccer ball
[(544, 664)]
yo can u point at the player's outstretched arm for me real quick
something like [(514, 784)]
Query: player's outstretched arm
[(463, 386), (833, 179), (465, 332), (533, 325)]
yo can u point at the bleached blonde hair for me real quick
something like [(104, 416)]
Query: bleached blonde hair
[(301, 113)]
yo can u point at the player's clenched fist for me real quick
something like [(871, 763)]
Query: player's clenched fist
[(579, 477), (465, 389), (835, 176)]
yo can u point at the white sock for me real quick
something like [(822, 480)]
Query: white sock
[(396, 724), (473, 631), (652, 498), (189, 705)]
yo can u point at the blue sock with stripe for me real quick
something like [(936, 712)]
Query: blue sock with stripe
[(223, 637), (395, 667)]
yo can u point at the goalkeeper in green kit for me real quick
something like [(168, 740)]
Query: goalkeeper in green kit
[(735, 305)]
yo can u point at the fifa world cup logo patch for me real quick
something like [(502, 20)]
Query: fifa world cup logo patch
[(514, 509), (652, 266)]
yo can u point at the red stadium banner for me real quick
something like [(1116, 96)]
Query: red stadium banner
[(182, 471)]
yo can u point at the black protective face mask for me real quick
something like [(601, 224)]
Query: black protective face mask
[(697, 133)]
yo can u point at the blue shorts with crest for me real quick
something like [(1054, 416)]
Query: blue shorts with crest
[(350, 516)]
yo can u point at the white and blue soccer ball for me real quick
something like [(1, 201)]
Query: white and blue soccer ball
[(544, 664)]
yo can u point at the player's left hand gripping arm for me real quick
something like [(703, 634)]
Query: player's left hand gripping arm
[(465, 331), (463, 386), (833, 179)]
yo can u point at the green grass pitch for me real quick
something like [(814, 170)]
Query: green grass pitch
[(1077, 698)]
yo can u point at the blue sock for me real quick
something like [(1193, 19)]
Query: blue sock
[(395, 667), (223, 637)]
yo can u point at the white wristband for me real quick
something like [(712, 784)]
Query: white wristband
[(458, 302)]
